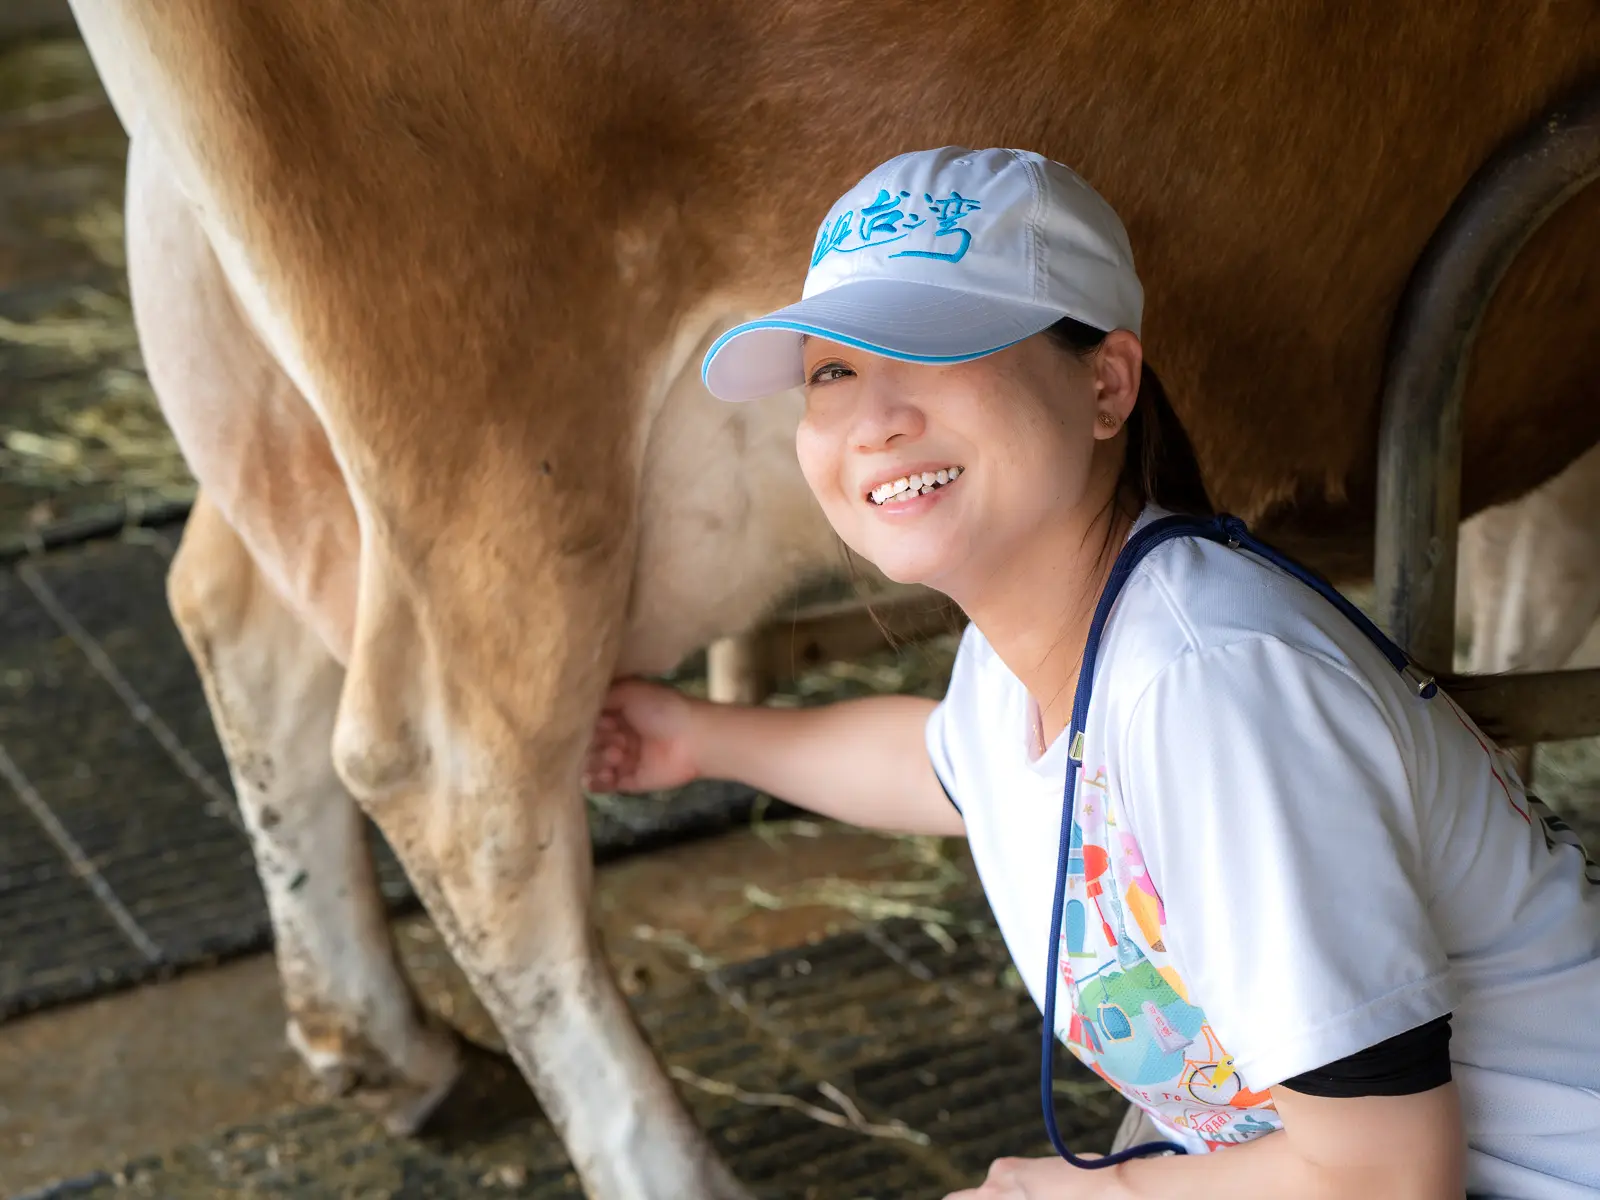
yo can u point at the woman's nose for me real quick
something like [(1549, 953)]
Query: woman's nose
[(884, 418)]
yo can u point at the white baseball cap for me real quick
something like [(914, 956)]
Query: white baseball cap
[(941, 256)]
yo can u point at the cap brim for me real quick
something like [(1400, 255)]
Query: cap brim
[(913, 322)]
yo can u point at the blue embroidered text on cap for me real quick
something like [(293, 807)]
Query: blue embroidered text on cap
[(885, 221)]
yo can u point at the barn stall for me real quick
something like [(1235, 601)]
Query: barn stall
[(836, 1007)]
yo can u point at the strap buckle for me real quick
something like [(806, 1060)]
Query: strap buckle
[(1232, 529), (1424, 683)]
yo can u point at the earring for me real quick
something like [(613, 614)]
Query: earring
[(1108, 420)]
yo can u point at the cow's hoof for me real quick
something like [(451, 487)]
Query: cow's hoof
[(403, 1093), (405, 1110)]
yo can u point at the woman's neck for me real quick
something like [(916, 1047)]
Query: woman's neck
[(1037, 610)]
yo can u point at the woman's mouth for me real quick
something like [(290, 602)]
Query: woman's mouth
[(916, 483)]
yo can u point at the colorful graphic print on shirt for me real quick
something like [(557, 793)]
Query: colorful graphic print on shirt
[(1127, 1013)]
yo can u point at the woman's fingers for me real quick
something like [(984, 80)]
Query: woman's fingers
[(613, 758), (604, 756)]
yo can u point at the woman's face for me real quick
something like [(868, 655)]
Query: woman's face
[(1016, 436)]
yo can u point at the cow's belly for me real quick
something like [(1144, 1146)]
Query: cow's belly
[(727, 524)]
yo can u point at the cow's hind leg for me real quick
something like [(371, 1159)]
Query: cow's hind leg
[(273, 691), (474, 680)]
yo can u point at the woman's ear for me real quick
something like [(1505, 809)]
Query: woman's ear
[(1118, 366)]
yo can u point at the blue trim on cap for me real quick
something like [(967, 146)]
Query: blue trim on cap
[(832, 336)]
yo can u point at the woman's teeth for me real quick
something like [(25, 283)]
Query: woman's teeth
[(912, 485)]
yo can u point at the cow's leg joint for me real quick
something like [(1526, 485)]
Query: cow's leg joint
[(375, 765)]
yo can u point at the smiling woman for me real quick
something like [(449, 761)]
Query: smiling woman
[(1290, 900), (1050, 389), (1032, 431)]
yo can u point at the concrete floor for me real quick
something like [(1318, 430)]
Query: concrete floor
[(88, 1086)]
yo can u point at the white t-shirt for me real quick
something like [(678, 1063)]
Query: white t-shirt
[(1282, 856)]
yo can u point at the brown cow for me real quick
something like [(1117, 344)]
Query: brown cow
[(423, 288)]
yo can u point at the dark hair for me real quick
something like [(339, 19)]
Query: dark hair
[(1160, 466)]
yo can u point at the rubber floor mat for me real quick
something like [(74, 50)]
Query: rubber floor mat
[(122, 855), (922, 1039)]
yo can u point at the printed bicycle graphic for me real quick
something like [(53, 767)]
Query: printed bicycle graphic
[(1210, 1080)]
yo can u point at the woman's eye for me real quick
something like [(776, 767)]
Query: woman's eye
[(829, 372)]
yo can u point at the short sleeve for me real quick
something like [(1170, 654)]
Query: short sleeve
[(1275, 807), (950, 726)]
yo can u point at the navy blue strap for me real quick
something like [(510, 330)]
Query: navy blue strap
[(1230, 531)]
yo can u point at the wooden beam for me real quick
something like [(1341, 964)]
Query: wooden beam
[(1528, 707), (1514, 710), (824, 633)]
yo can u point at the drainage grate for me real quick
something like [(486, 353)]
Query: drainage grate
[(906, 1029), (121, 852)]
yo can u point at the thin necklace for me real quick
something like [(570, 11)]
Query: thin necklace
[(1038, 712)]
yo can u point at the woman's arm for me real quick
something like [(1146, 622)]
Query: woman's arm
[(860, 761), (1370, 1148)]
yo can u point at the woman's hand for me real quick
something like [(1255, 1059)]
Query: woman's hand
[(1043, 1179), (642, 741)]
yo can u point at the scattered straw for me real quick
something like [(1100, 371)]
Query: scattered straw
[(62, 452), (918, 899), (99, 227), (1091, 1092), (940, 936), (44, 70), (773, 832), (848, 1117), (671, 939), (867, 901), (928, 852), (84, 338)]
